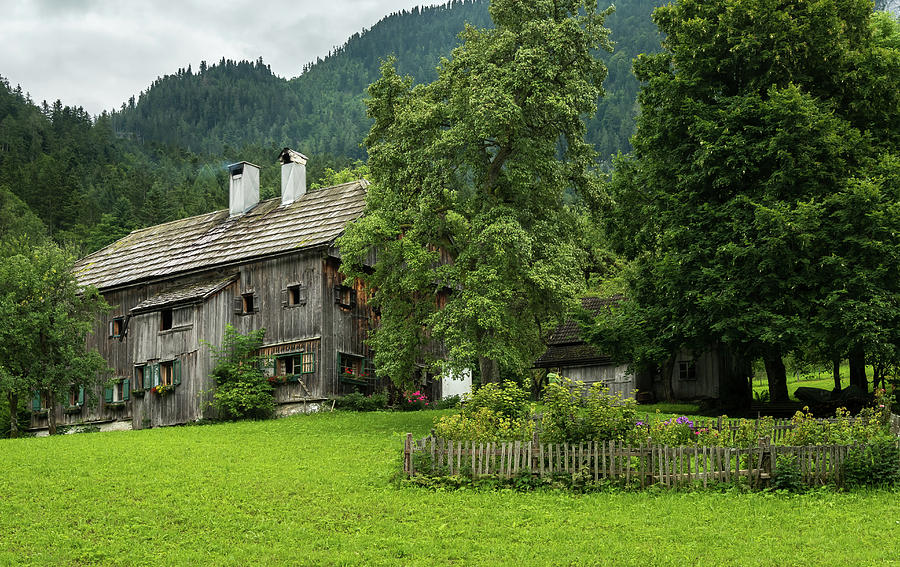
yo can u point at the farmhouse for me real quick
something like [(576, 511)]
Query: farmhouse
[(174, 287), (691, 376)]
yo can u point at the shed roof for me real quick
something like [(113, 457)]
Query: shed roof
[(566, 347), (215, 239), (185, 293)]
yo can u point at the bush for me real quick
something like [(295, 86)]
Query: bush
[(874, 464), (787, 474), (359, 402), (450, 402), (242, 390), (577, 414), (483, 424), (495, 412), (507, 399), (413, 401)]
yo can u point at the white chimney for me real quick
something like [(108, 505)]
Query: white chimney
[(243, 188), (293, 175)]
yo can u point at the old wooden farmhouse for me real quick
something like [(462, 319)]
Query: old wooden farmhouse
[(691, 376), (174, 287)]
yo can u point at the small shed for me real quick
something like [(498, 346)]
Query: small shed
[(568, 355)]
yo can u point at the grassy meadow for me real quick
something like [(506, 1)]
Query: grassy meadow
[(317, 490)]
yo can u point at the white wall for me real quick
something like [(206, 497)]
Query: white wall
[(456, 384)]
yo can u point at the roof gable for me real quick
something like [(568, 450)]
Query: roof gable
[(566, 347), (215, 239)]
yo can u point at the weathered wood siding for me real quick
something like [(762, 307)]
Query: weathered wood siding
[(345, 328), (706, 385), (318, 324), (616, 377)]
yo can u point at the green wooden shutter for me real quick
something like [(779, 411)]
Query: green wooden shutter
[(126, 389), (36, 402), (177, 365), (81, 395), (156, 374), (108, 394), (146, 377)]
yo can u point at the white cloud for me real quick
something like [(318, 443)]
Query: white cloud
[(97, 53)]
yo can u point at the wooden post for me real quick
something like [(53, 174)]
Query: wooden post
[(407, 456)]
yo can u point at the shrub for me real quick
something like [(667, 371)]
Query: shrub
[(358, 402), (242, 390), (494, 412), (874, 464), (787, 474), (506, 399), (450, 402), (807, 429), (412, 401), (483, 424), (574, 413)]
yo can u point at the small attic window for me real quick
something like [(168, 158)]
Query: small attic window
[(246, 303), (297, 294), (165, 319), (237, 170), (116, 327)]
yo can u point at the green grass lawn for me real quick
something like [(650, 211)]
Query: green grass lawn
[(316, 490)]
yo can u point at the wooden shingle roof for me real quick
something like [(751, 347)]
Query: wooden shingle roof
[(215, 239), (566, 347)]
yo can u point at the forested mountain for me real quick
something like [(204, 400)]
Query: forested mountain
[(161, 156), (322, 110)]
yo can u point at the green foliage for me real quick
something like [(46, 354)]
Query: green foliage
[(758, 209), (242, 390), (450, 402), (470, 177), (356, 401), (787, 475), (576, 413), (44, 317), (483, 424), (874, 464), (506, 399), (494, 412)]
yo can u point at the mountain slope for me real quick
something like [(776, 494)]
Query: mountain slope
[(322, 110)]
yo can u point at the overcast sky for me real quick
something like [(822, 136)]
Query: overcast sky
[(97, 53)]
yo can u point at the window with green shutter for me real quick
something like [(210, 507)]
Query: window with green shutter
[(36, 402), (108, 394)]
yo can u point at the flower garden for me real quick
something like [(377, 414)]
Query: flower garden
[(585, 435)]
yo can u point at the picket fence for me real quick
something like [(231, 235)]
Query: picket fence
[(643, 465)]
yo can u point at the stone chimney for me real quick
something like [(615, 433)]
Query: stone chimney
[(293, 175), (243, 188)]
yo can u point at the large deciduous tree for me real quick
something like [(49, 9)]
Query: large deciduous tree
[(44, 316), (475, 245), (744, 202)]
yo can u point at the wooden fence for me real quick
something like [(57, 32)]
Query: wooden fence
[(643, 465)]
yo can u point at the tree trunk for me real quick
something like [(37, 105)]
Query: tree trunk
[(858, 368), (836, 373), (51, 418), (490, 370), (13, 414), (668, 371), (777, 376)]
